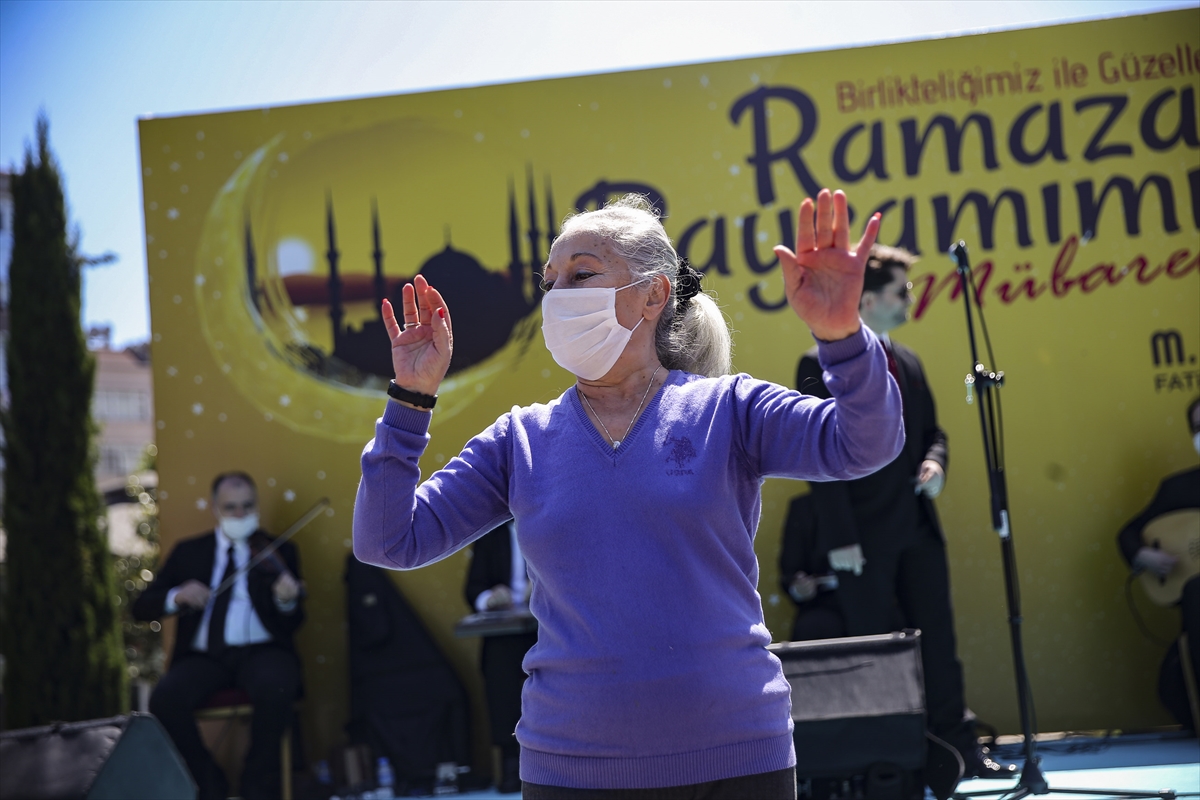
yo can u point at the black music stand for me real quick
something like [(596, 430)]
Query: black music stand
[(987, 384)]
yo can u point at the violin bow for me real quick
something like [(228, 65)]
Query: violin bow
[(275, 544)]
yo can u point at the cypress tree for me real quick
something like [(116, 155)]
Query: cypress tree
[(61, 636)]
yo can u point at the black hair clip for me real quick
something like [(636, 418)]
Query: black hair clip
[(687, 285)]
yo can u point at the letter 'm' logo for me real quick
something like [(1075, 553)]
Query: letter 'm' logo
[(1166, 347)]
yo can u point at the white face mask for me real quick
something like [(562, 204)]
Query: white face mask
[(581, 329), (1196, 441), (239, 528)]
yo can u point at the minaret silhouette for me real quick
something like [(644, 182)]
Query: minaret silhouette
[(535, 260), (377, 255), (335, 281), (516, 269), (551, 235), (551, 218)]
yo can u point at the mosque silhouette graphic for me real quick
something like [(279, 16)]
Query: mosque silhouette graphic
[(487, 305)]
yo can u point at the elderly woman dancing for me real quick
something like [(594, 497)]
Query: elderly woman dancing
[(636, 496)]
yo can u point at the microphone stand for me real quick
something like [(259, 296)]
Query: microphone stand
[(987, 384)]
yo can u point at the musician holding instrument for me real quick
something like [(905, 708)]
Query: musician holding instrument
[(238, 611), (1162, 543)]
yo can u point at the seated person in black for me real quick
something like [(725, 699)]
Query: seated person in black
[(240, 638), (806, 577), (497, 581), (1176, 493)]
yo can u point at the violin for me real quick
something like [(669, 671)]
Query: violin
[(263, 549), (271, 564)]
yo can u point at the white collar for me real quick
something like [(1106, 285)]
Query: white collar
[(223, 541)]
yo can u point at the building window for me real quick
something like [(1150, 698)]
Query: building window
[(111, 406), (119, 459)]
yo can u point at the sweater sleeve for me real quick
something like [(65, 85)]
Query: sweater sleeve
[(856, 432), (401, 523)]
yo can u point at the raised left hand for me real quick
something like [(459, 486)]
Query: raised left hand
[(824, 277), (423, 345)]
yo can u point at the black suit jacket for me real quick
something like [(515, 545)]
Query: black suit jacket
[(1176, 492), (800, 550), (881, 509), (193, 559)]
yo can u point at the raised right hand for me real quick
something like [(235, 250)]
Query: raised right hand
[(421, 349)]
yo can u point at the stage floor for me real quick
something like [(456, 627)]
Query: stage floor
[(1137, 762), (1132, 762)]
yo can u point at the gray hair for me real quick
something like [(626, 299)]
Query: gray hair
[(694, 338)]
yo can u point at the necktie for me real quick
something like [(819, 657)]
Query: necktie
[(892, 364), (216, 623)]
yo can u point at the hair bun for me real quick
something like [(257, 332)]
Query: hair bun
[(687, 284)]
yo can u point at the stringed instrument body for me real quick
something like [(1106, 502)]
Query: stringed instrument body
[(1177, 533)]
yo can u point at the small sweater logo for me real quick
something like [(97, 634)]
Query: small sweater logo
[(682, 453)]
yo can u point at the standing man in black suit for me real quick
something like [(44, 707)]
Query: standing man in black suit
[(881, 533), (497, 581), (1177, 492), (239, 638)]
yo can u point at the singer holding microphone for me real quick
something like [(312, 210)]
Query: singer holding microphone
[(636, 495)]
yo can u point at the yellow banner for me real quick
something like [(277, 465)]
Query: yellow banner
[(1066, 157)]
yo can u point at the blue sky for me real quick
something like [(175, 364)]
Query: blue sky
[(96, 67)]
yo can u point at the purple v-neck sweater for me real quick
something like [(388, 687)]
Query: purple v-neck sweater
[(650, 668)]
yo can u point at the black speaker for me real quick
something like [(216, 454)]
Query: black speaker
[(120, 758), (857, 703)]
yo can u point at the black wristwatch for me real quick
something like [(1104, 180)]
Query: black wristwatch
[(426, 401)]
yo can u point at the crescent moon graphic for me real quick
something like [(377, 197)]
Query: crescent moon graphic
[(256, 352)]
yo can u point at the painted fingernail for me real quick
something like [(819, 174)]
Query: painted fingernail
[(442, 313)]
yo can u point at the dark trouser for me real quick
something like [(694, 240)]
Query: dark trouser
[(778, 785), (911, 584), (266, 672), (1189, 606), (503, 680)]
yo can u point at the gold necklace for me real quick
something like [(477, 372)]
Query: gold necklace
[(617, 442)]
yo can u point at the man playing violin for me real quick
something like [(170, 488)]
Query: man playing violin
[(235, 637)]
